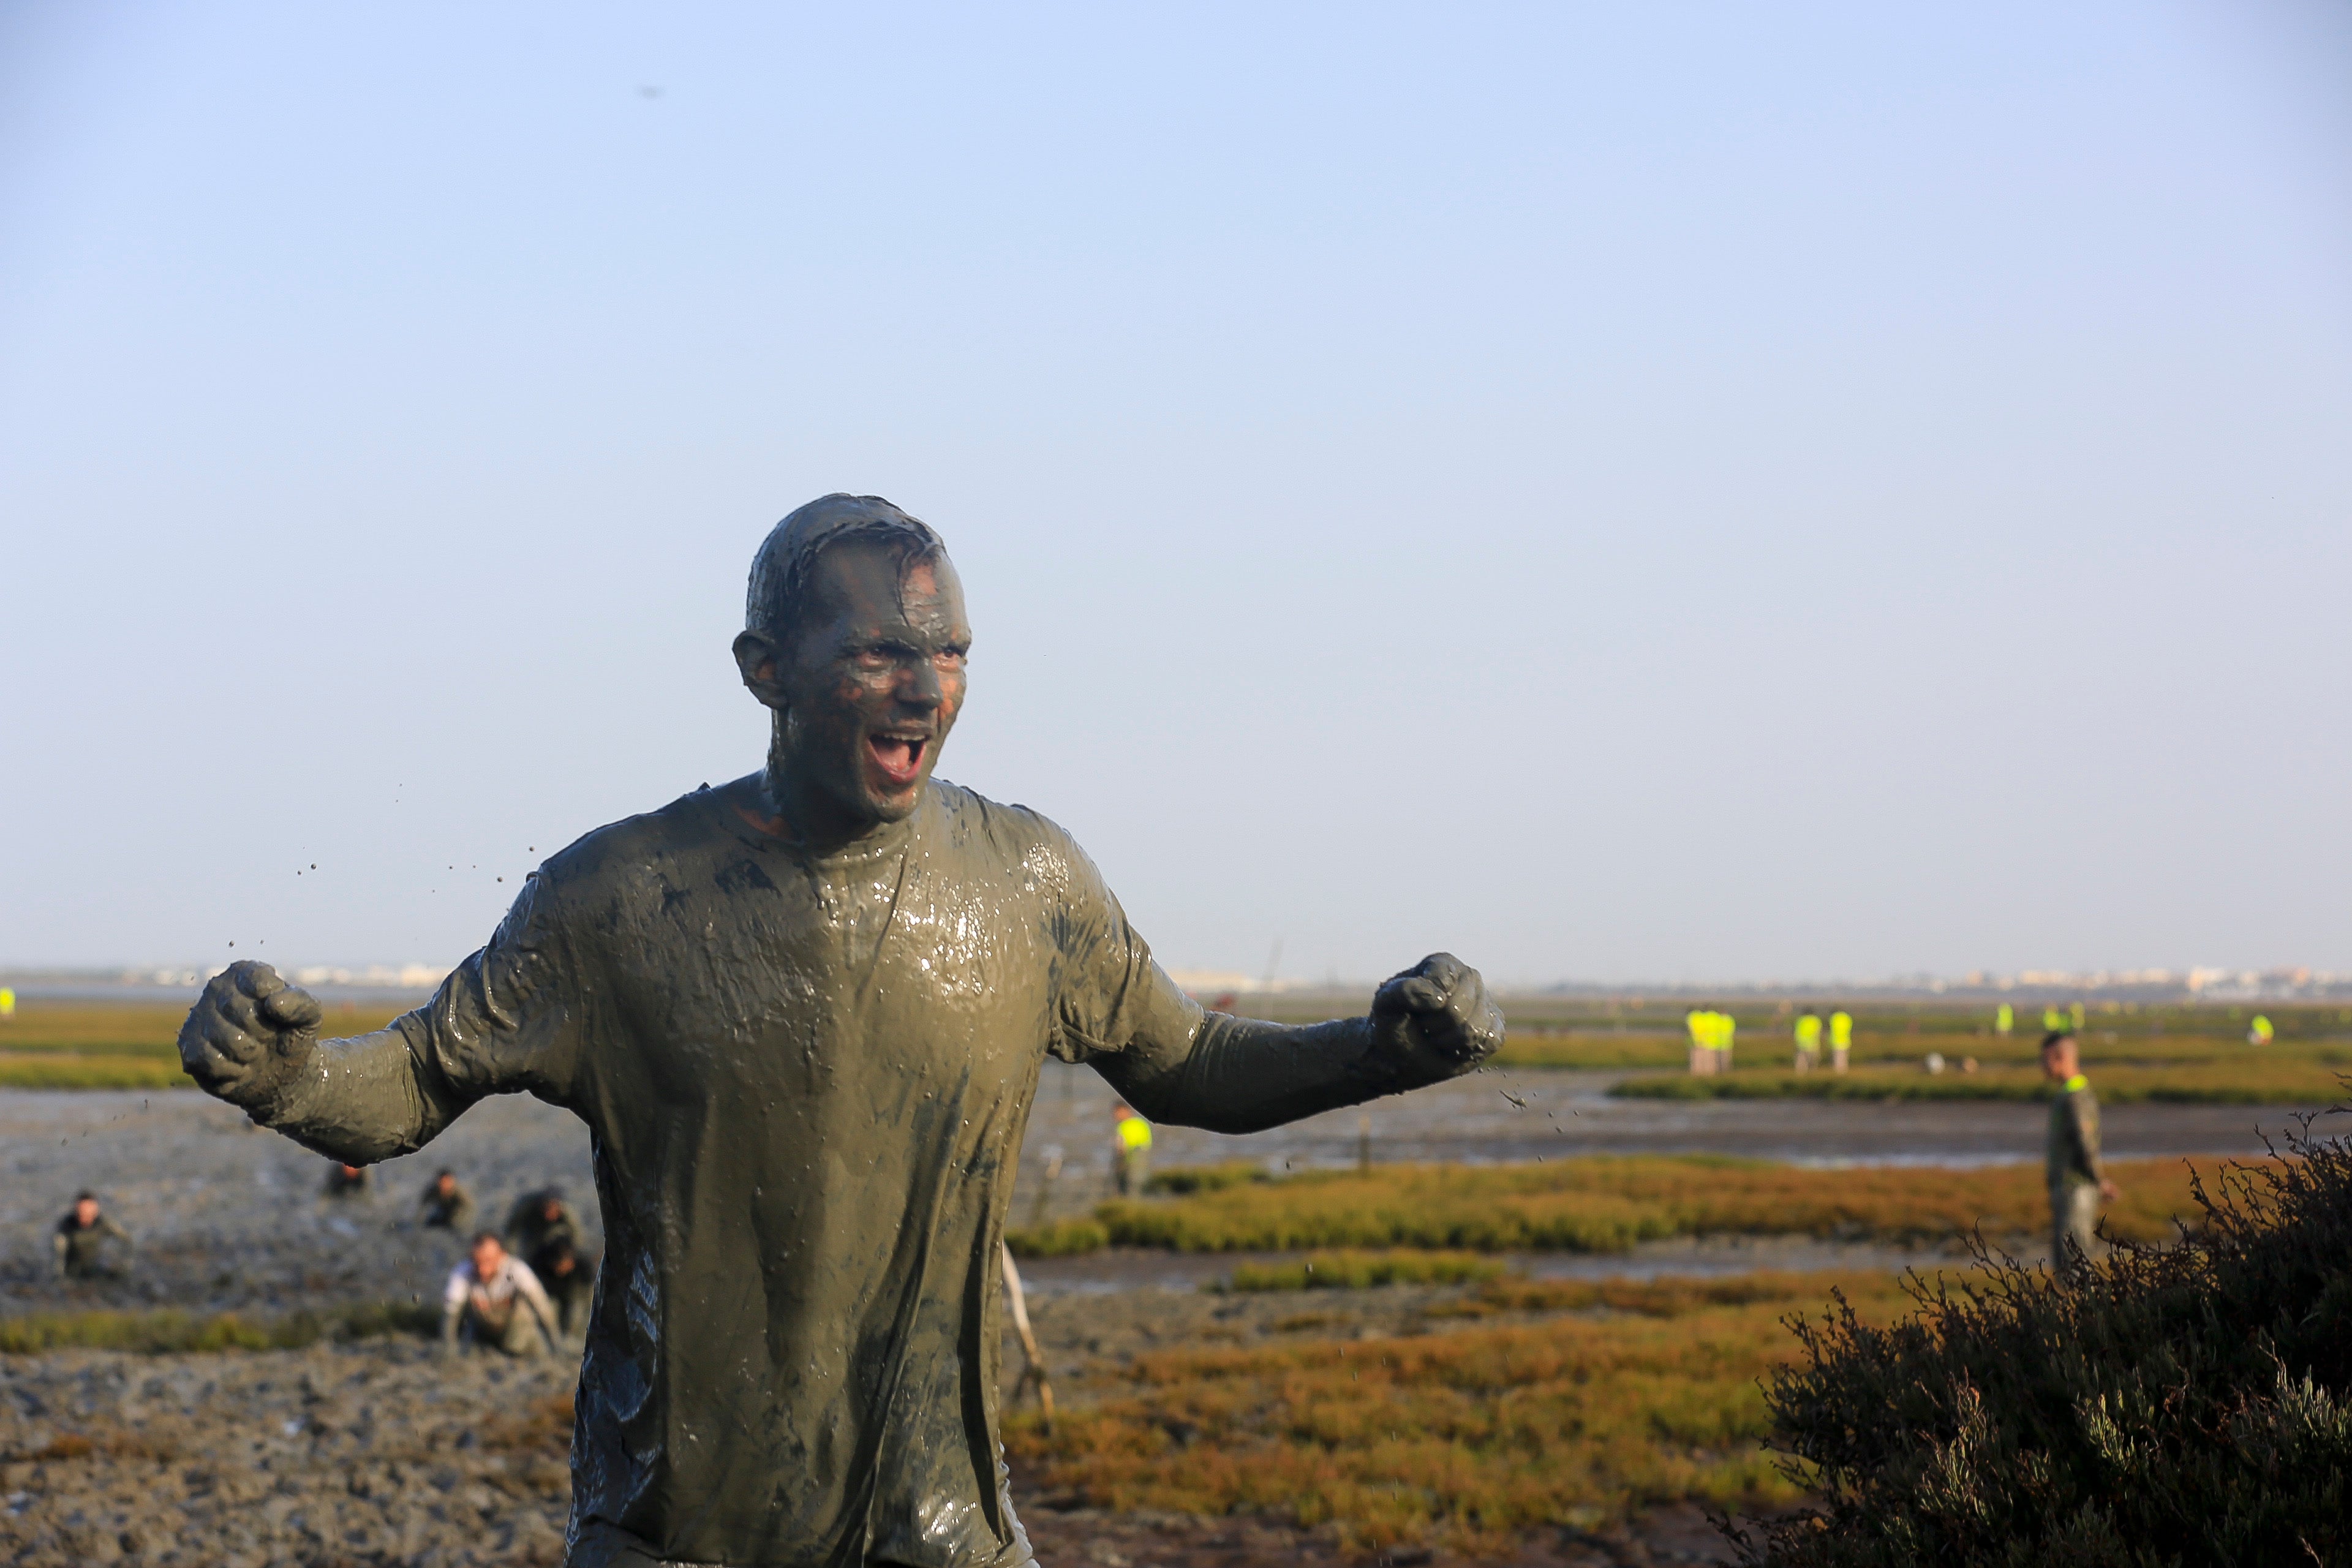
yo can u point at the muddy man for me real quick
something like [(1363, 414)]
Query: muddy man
[(803, 1017)]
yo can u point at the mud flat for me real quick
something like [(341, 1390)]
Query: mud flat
[(370, 1455)]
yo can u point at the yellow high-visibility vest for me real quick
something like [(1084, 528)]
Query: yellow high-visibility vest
[(1841, 1031), (1809, 1032), (2004, 1020), (1134, 1132)]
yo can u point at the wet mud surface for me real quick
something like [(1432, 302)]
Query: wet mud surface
[(381, 1453)]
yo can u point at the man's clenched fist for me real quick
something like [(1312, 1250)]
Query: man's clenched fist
[(1435, 1020), (248, 1034)]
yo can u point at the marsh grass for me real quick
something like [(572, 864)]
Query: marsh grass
[(1609, 1204), (167, 1331), (1468, 1438), (1352, 1269)]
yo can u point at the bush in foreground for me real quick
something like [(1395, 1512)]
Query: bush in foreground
[(2187, 1405)]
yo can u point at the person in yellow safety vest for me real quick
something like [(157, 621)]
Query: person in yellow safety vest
[(1809, 1040), (2054, 1022), (8, 1000), (2074, 1016), (1841, 1038), (1725, 1026), (1701, 1059), (2261, 1033), (1134, 1153), (2004, 1020)]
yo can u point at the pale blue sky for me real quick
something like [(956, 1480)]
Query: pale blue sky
[(1626, 492)]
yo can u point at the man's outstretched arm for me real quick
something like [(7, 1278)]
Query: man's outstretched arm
[(253, 1040), (502, 1021), (1431, 1023)]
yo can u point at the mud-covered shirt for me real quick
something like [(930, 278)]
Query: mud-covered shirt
[(806, 1079), (2072, 1157)]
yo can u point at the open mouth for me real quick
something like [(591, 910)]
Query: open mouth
[(901, 757)]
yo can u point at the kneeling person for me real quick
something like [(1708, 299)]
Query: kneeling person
[(493, 1298)]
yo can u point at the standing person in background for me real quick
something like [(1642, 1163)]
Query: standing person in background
[(79, 1243), (2077, 1179), (7, 1002), (1702, 1060), (346, 1182), (2054, 1022), (2260, 1032), (1841, 1038), (2075, 1018), (493, 1298), (1131, 1137), (445, 1205), (2004, 1020), (1809, 1040), (1726, 1027)]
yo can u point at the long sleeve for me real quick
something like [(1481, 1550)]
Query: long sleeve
[(506, 1020), (534, 1295), (2083, 1111), (453, 1306)]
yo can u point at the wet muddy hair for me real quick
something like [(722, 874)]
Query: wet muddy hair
[(781, 571)]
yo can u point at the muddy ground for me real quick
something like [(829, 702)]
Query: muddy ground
[(379, 1453), (374, 1454)]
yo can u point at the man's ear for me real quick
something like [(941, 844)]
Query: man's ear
[(755, 655)]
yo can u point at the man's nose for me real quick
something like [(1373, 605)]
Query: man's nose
[(922, 688)]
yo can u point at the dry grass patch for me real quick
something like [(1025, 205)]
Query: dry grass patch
[(1469, 1438)]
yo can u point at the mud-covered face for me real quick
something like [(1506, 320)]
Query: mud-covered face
[(869, 688)]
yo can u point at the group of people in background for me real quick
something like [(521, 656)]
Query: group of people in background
[(1712, 1034), (519, 1290)]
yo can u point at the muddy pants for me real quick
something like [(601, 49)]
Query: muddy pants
[(2073, 1228), (516, 1334), (1134, 1170)]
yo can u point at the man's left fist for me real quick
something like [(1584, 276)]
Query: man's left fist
[(1435, 1020)]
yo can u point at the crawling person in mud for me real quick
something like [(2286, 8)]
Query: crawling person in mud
[(493, 1299), (804, 1015)]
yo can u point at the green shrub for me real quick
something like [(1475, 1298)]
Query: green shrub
[(2187, 1405)]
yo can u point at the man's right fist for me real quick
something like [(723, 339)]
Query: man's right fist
[(248, 1034)]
